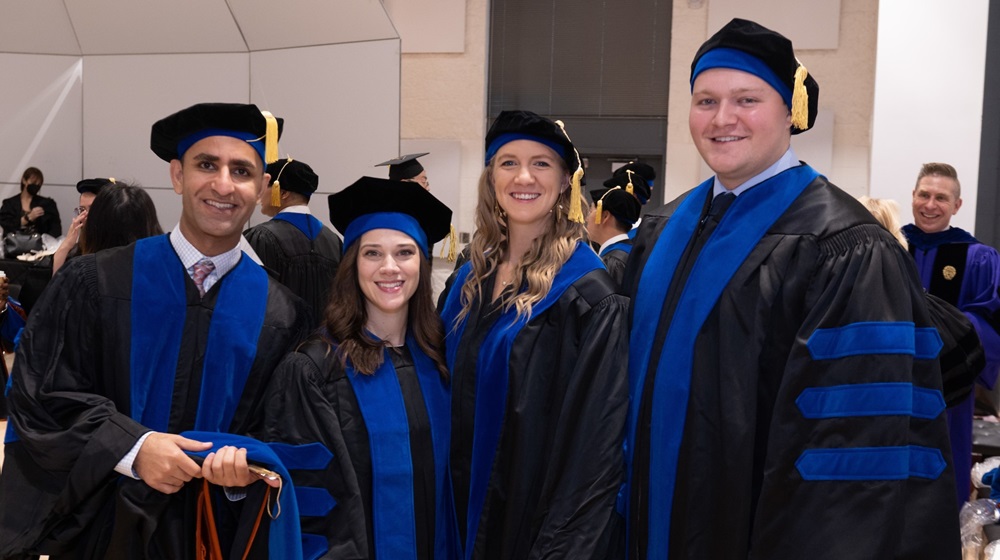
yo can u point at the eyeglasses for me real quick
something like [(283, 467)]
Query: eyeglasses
[(79, 210)]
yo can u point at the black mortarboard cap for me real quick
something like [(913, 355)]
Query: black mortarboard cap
[(525, 125), (173, 135), (521, 125), (373, 203), (404, 167), (644, 170), (750, 47), (93, 186), (618, 203), (632, 183), (294, 176)]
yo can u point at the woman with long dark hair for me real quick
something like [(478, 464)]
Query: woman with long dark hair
[(372, 385), (537, 346), (120, 214)]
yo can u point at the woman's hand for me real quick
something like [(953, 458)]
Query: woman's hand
[(73, 235), (35, 213)]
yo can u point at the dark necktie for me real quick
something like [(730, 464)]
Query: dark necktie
[(720, 204)]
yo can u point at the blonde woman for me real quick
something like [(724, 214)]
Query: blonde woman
[(886, 211), (537, 346)]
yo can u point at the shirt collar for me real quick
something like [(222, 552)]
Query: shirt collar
[(297, 209), (787, 161), (189, 255), (612, 241)]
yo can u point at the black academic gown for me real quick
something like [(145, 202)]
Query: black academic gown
[(312, 400), (614, 260), (305, 266), (738, 494), (70, 408), (10, 216), (558, 468)]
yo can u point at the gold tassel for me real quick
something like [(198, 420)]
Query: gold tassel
[(800, 99), (276, 186), (111, 180), (575, 208), (276, 193), (451, 247), (600, 202), (629, 188), (270, 139)]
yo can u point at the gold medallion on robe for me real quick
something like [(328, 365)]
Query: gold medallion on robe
[(949, 272)]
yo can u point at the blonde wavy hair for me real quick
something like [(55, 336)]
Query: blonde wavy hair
[(537, 268), (886, 211)]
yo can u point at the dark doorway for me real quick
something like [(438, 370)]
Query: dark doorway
[(987, 201)]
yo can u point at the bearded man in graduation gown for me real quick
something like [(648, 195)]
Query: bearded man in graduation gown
[(294, 245), (131, 346), (956, 267), (785, 392)]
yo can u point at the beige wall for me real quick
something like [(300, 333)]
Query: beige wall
[(443, 97)]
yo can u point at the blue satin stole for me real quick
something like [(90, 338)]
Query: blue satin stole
[(159, 309), (492, 369), (308, 224), (380, 399)]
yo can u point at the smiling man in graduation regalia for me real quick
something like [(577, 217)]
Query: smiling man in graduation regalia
[(785, 391), (131, 346), (958, 268)]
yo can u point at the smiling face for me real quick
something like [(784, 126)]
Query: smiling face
[(935, 201), (739, 124), (527, 179), (388, 272), (219, 180)]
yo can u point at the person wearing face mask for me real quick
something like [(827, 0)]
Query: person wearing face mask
[(29, 212)]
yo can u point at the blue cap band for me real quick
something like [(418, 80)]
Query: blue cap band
[(723, 57), (387, 220), (508, 137), (188, 141)]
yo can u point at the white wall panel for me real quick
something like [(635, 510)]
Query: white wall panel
[(37, 27), (125, 95), (271, 25), (442, 164), (341, 116), (177, 26), (40, 118), (928, 97)]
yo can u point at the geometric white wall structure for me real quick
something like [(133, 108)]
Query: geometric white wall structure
[(85, 79)]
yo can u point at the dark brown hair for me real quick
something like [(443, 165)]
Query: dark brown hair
[(347, 315), (32, 172), (120, 214)]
